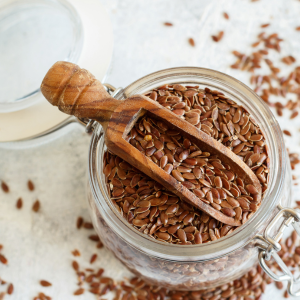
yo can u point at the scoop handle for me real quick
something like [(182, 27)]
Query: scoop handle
[(77, 92)]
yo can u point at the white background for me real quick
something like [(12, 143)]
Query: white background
[(38, 246)]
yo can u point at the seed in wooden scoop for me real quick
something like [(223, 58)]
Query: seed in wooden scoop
[(251, 189), (218, 182), (228, 212)]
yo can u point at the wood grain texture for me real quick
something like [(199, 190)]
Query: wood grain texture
[(76, 92)]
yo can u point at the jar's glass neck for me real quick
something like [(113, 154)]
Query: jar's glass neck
[(241, 94)]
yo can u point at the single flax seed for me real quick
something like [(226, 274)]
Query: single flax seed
[(226, 16), (79, 222), (36, 206), (4, 186), (45, 283), (93, 258), (19, 203), (191, 42), (10, 289), (30, 185)]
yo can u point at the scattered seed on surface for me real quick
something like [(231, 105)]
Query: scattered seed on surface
[(45, 283), (19, 203), (78, 292), (168, 24), (79, 222), (286, 294), (75, 265), (99, 245), (279, 285), (192, 42), (5, 187), (88, 225), (286, 132), (217, 38), (94, 238), (288, 60), (294, 115), (3, 259), (36, 206), (93, 258), (42, 296), (10, 289), (76, 252), (30, 185)]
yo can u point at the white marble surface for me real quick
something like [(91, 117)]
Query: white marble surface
[(38, 245)]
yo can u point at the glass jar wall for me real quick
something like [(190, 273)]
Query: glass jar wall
[(190, 267)]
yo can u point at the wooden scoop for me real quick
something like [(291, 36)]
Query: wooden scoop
[(76, 92)]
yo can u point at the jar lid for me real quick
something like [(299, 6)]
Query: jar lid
[(34, 34)]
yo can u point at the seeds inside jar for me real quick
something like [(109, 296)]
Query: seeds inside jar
[(152, 209)]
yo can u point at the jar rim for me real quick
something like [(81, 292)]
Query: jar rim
[(245, 233)]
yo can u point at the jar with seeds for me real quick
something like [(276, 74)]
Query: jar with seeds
[(166, 241)]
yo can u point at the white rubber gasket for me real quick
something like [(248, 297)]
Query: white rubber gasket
[(95, 56)]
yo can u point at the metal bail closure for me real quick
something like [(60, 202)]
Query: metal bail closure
[(90, 124), (269, 246)]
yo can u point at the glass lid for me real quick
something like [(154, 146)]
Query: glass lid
[(33, 35)]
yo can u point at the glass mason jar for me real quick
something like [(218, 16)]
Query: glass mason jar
[(195, 267)]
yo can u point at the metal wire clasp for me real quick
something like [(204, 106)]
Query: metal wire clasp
[(90, 124), (271, 246)]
